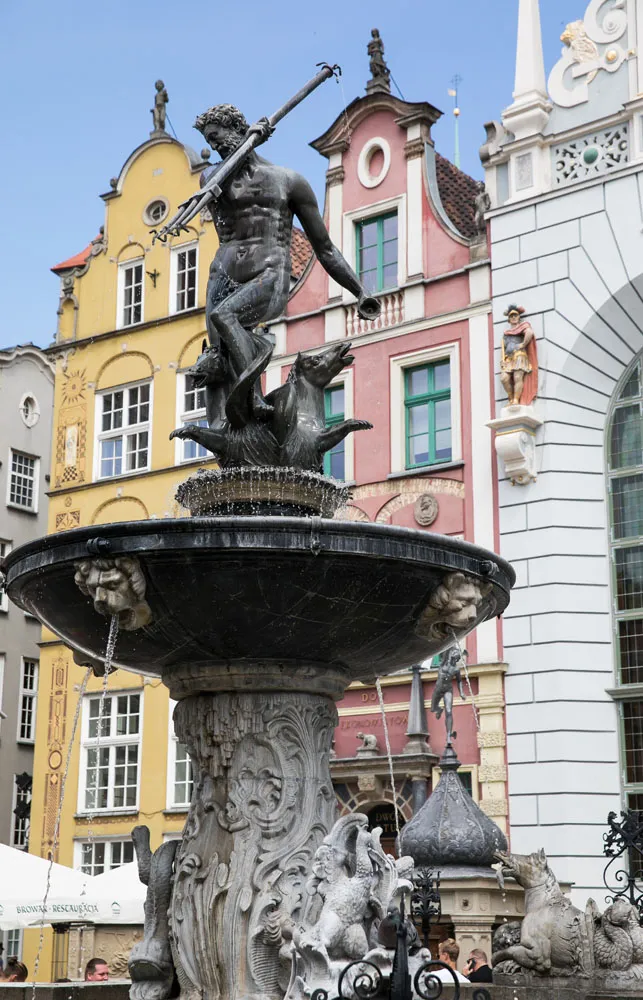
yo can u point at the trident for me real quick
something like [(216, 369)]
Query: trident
[(211, 191)]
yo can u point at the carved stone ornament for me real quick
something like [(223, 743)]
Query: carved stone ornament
[(515, 442), (117, 587), (354, 884), (591, 45), (426, 509), (453, 606), (558, 939), (262, 804)]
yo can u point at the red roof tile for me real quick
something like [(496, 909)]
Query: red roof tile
[(458, 192), (76, 261), (300, 253)]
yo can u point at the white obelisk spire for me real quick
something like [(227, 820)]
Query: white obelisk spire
[(530, 109)]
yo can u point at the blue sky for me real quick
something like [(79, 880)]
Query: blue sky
[(77, 82)]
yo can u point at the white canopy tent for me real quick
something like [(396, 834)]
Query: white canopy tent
[(117, 897), (23, 881)]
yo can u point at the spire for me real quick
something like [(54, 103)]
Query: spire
[(529, 112), (418, 729), (380, 81)]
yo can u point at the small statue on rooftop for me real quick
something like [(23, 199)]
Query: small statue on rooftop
[(370, 746), (482, 206), (380, 73), (159, 111), (449, 670)]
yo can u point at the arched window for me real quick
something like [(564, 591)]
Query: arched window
[(625, 472)]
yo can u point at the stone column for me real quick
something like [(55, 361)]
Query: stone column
[(262, 803), (472, 932)]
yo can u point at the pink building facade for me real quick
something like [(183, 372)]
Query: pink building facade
[(403, 217)]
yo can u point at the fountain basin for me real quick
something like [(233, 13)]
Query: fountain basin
[(238, 602)]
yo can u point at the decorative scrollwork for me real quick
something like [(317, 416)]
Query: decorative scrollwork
[(624, 838), (362, 980), (426, 904), (427, 984)]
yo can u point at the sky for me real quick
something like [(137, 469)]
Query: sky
[(77, 82)]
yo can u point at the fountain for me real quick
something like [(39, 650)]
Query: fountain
[(257, 611)]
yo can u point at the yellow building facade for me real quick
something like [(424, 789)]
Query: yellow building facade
[(131, 319)]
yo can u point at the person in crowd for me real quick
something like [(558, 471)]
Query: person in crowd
[(96, 971), (14, 971), (477, 969), (448, 952)]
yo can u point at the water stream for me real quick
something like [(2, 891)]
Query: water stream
[(109, 656), (389, 755)]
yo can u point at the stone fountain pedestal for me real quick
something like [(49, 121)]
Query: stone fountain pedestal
[(257, 625)]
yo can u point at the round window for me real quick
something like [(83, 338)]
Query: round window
[(156, 211), (29, 410)]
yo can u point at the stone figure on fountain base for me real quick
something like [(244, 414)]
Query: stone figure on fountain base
[(449, 670), (559, 940)]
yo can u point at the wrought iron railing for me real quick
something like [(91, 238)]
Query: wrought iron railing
[(624, 838)]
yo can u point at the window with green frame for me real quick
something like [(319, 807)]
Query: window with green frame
[(427, 406), (625, 474), (376, 244), (335, 459)]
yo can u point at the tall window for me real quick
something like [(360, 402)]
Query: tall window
[(5, 549), (131, 293), (335, 459), (12, 941), (184, 279), (376, 242), (193, 412), (124, 435), (21, 811), (427, 404), (625, 472), (28, 700), (112, 762), (22, 481), (97, 856), (180, 780)]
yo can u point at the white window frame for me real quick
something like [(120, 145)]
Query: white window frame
[(124, 431), (36, 481), (398, 366), (346, 379), (111, 741), (120, 293), (109, 850), (5, 548), (30, 694), (172, 742), (367, 212), (12, 952), (15, 821), (174, 276), (187, 417)]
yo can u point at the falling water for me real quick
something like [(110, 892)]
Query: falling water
[(109, 656), (388, 754), (463, 660), (54, 845)]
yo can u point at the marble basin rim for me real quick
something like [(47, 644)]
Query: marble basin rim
[(259, 603)]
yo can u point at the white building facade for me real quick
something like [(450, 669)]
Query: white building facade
[(564, 172)]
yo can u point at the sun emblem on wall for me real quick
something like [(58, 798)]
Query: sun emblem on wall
[(74, 386)]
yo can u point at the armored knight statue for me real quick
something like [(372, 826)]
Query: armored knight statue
[(449, 670), (518, 363)]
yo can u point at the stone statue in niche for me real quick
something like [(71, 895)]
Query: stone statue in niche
[(449, 670), (159, 111), (519, 360), (248, 286)]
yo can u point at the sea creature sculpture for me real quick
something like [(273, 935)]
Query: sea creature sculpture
[(150, 965)]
